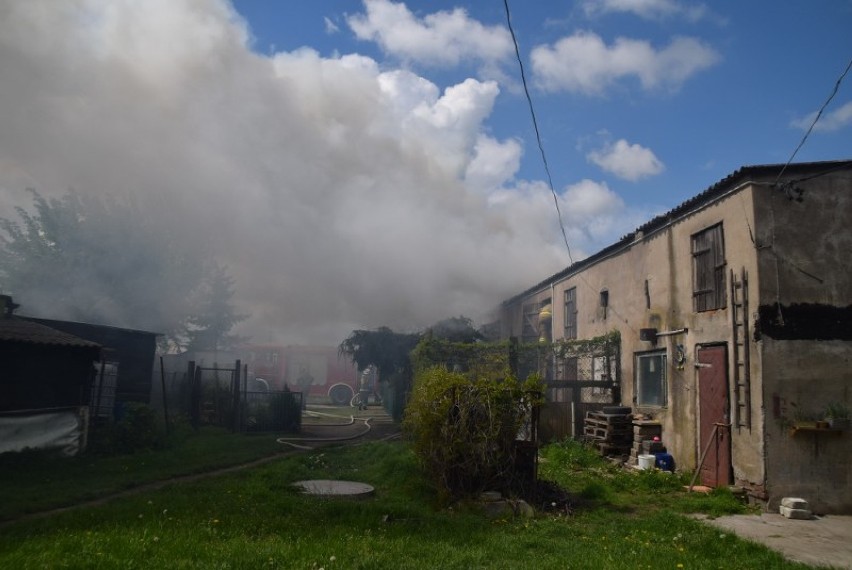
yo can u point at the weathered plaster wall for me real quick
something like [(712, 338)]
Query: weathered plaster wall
[(805, 242), (803, 377)]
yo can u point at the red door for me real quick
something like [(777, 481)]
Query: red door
[(714, 428)]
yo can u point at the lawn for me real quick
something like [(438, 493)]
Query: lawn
[(256, 519)]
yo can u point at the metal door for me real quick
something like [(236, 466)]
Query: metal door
[(714, 423)]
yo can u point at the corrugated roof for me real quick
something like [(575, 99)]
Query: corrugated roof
[(736, 178), (13, 329)]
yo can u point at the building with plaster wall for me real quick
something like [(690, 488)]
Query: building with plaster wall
[(735, 317)]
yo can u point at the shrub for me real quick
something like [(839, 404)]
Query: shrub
[(464, 426), (137, 429)]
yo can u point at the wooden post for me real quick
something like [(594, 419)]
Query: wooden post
[(236, 392), (710, 441), (192, 375), (100, 389), (165, 402)]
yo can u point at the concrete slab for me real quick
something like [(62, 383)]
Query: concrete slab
[(335, 489), (820, 541)]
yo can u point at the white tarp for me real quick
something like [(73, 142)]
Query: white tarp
[(62, 429)]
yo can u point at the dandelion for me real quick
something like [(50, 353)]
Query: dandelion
[(333, 558), (140, 515)]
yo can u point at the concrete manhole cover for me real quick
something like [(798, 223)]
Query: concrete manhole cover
[(331, 488)]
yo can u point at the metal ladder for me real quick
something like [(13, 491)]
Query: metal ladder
[(742, 370)]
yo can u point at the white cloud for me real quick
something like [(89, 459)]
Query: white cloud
[(442, 38), (330, 26), (832, 121), (583, 63), (648, 9), (339, 194), (627, 161)]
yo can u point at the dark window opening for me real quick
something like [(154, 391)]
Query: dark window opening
[(571, 313)]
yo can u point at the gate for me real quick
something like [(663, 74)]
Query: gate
[(582, 377), (218, 396)]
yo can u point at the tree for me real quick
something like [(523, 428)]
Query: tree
[(96, 260), (387, 350), (209, 326), (456, 329)]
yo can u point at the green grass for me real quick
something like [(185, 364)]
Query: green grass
[(255, 519), (35, 482)]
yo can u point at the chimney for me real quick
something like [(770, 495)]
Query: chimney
[(7, 305)]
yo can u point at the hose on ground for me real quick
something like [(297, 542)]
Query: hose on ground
[(289, 440)]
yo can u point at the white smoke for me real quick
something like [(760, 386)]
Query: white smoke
[(340, 195)]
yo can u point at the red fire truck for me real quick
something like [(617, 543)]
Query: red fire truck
[(320, 372)]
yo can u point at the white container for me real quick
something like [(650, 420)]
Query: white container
[(647, 461)]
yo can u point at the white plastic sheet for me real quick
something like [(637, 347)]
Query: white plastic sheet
[(63, 429)]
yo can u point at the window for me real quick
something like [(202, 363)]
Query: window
[(571, 313), (708, 269), (102, 397), (529, 330), (604, 303), (651, 379)]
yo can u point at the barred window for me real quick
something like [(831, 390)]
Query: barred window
[(708, 269)]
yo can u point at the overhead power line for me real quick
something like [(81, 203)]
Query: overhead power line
[(580, 275), (818, 115), (537, 133)]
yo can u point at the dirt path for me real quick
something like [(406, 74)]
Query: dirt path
[(313, 436)]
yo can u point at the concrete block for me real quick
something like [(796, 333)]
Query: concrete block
[(795, 503), (800, 514)]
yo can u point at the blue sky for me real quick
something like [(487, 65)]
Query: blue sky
[(761, 69), (356, 164)]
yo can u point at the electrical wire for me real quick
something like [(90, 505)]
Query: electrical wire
[(537, 133), (818, 115), (580, 276)]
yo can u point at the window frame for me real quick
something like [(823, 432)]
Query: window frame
[(570, 319), (709, 269), (639, 379)]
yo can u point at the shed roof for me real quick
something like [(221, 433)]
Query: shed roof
[(13, 329)]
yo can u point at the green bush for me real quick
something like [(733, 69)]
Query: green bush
[(137, 429), (286, 411), (463, 428)]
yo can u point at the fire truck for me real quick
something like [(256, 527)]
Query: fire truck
[(321, 373)]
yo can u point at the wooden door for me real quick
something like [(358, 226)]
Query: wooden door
[(714, 423)]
